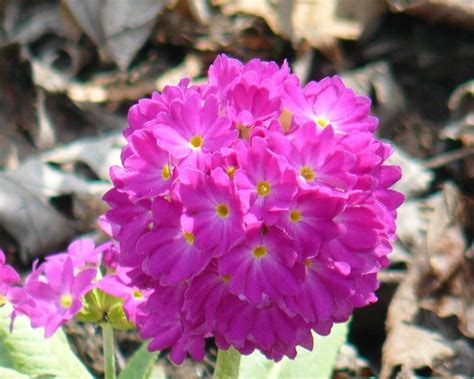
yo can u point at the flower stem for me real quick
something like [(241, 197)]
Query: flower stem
[(109, 351), (227, 365)]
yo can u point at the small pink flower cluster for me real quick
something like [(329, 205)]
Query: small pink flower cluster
[(9, 279), (54, 291), (255, 209)]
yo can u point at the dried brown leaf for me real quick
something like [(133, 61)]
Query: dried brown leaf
[(38, 176), (415, 178), (96, 91), (414, 347), (438, 279), (408, 345), (457, 299), (200, 10), (446, 243), (35, 225), (120, 28), (320, 22), (350, 362), (456, 12), (378, 79), (26, 210), (447, 288), (461, 105), (99, 153), (412, 223), (18, 124), (28, 21)]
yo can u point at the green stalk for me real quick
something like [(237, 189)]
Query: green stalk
[(227, 365), (109, 351)]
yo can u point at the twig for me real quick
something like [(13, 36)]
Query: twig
[(444, 159)]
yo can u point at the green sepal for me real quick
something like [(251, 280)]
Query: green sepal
[(100, 307), (117, 318), (92, 310)]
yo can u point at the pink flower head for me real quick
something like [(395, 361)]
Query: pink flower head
[(82, 253), (143, 114), (222, 73), (269, 75), (213, 206), (265, 182), (192, 128), (262, 265), (253, 210), (172, 252), (127, 221), (250, 105), (110, 256), (8, 279), (316, 157), (310, 220), (55, 292), (148, 170), (330, 102)]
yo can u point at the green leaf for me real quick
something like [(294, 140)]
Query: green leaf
[(318, 363), (6, 373), (28, 352), (140, 365)]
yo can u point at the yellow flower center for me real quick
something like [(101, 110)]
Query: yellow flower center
[(295, 216), (226, 278), (263, 188), (307, 263), (137, 294), (259, 251), (3, 300), (285, 119), (322, 122), (189, 237), (65, 301), (244, 131), (196, 142), (231, 171), (222, 210), (307, 173), (166, 173)]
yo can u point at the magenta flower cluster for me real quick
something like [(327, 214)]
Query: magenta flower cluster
[(54, 291), (255, 210)]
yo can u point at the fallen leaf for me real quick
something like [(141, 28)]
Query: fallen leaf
[(415, 178), (413, 341), (19, 129), (408, 345), (446, 287), (36, 226), (456, 12), (191, 67), (120, 28), (412, 223), (46, 131), (351, 363), (319, 22), (39, 177), (377, 80), (461, 123), (96, 91), (26, 22), (27, 194), (99, 153), (200, 10), (445, 241)]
